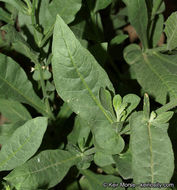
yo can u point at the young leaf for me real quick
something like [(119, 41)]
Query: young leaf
[(146, 107), (154, 71), (132, 100), (171, 31), (13, 110), (98, 181), (15, 85), (77, 75), (45, 170), (152, 154), (138, 16), (106, 100), (23, 144)]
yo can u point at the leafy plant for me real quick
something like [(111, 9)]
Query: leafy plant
[(71, 90)]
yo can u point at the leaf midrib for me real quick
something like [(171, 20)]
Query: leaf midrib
[(83, 81), (151, 152), (158, 76), (18, 148), (27, 99)]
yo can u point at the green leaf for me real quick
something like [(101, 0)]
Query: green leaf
[(101, 159), (6, 131), (45, 170), (18, 42), (132, 100), (101, 4), (13, 110), (124, 164), (163, 117), (107, 140), (5, 16), (77, 76), (23, 144), (80, 132), (106, 101), (157, 29), (154, 71), (66, 9), (146, 106), (171, 31), (15, 85), (138, 16), (98, 181), (118, 39), (152, 154), (18, 4)]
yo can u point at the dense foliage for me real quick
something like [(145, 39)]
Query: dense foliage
[(88, 106)]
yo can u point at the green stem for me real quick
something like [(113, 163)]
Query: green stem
[(44, 90), (47, 36), (33, 17), (35, 60), (167, 107)]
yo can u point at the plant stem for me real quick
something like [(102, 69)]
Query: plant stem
[(167, 106), (44, 90), (37, 63)]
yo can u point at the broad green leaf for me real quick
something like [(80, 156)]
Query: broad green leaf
[(101, 159), (98, 181), (15, 85), (18, 4), (66, 9), (154, 71), (152, 154), (13, 110), (77, 76), (171, 31), (45, 170), (138, 16), (124, 164), (7, 129), (107, 140), (23, 143)]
